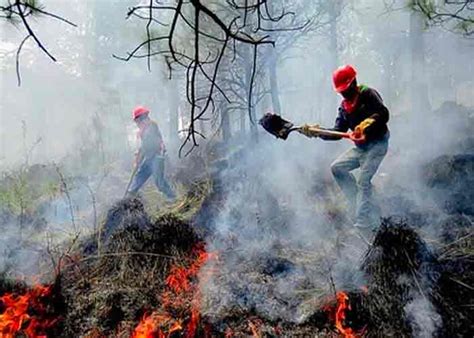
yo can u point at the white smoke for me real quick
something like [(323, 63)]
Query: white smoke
[(423, 318)]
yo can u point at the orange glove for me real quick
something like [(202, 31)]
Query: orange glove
[(358, 136), (364, 124)]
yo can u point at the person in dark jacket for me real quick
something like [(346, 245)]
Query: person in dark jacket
[(149, 160), (363, 111)]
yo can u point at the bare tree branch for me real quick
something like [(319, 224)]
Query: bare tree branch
[(220, 30), (18, 59), (458, 15), (22, 9)]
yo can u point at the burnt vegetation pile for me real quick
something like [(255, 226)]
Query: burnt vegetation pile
[(117, 276), (113, 283), (456, 280), (398, 266), (402, 272), (108, 291), (451, 181)]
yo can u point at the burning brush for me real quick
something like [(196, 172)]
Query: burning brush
[(31, 313), (180, 302), (346, 314), (146, 283)]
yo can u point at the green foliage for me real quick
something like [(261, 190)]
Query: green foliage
[(456, 16), (22, 192), (35, 5), (427, 7), (30, 7), (466, 27)]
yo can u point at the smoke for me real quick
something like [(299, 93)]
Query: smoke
[(281, 230), (423, 318), (276, 235), (74, 114), (281, 194), (83, 101)]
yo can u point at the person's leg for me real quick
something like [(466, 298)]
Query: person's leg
[(142, 175), (341, 169), (159, 177), (369, 166)]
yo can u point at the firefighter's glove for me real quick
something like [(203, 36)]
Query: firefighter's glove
[(360, 129), (359, 135), (308, 130)]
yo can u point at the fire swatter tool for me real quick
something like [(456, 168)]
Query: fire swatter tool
[(281, 128)]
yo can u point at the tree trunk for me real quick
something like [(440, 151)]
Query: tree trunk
[(225, 124), (243, 117), (173, 108), (272, 73), (334, 13), (248, 82), (274, 89), (253, 122), (201, 127), (419, 88), (248, 74)]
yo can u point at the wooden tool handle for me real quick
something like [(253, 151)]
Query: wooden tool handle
[(326, 132)]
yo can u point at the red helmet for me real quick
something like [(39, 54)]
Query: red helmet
[(139, 111), (343, 77)]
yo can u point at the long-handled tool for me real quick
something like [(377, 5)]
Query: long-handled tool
[(132, 176), (281, 128)]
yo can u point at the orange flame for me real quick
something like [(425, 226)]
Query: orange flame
[(342, 306), (180, 297), (255, 328), (156, 325), (17, 318), (228, 333)]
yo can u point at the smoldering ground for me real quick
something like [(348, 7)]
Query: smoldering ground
[(280, 227)]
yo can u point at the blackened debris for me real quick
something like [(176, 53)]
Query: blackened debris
[(451, 179)]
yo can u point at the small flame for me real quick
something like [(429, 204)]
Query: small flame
[(255, 328), (342, 306), (157, 325), (228, 333), (17, 318), (181, 297)]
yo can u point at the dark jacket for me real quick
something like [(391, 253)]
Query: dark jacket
[(151, 141), (369, 105)]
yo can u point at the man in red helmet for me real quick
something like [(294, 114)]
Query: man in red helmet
[(361, 110), (150, 157)]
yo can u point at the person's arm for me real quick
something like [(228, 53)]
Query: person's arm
[(341, 125), (379, 117), (161, 142), (138, 151), (138, 158)]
